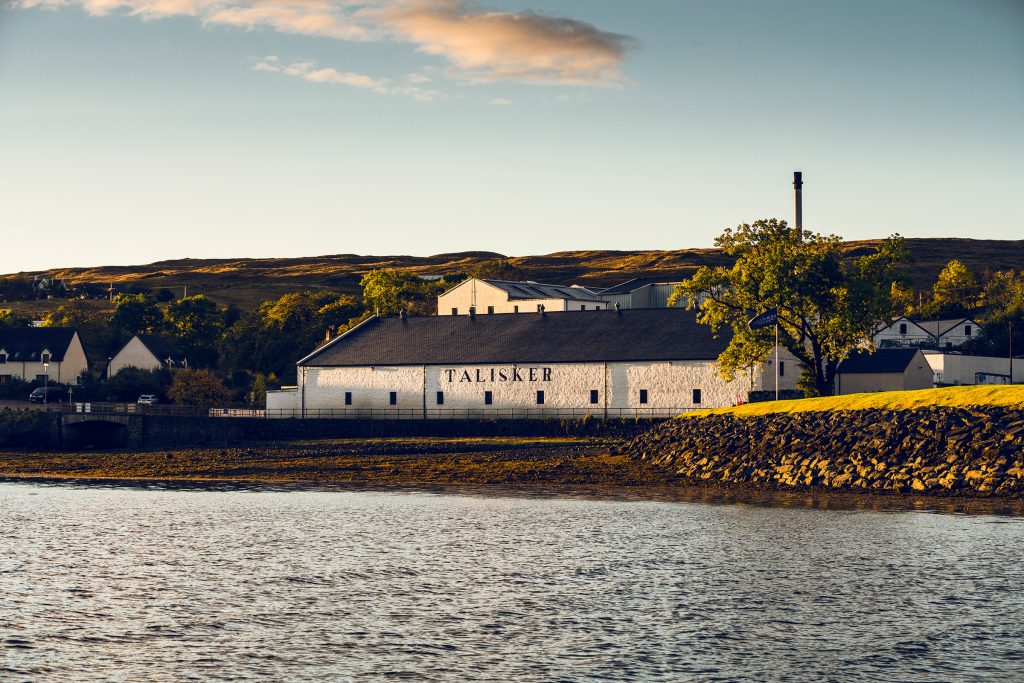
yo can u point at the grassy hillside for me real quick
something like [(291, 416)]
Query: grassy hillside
[(956, 397), (247, 282)]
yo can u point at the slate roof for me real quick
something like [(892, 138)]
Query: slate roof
[(937, 328), (882, 360), (162, 348), (642, 334), (537, 290), (26, 344)]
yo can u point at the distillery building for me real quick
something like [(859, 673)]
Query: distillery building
[(612, 363)]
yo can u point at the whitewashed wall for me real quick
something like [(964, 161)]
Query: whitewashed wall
[(134, 354), (890, 335), (567, 387), (283, 402), (958, 336)]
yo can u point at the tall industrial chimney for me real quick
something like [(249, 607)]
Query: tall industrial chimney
[(798, 183)]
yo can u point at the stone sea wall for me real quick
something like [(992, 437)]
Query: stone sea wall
[(934, 451)]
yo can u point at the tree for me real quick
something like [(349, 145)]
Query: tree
[(497, 269), (954, 293), (271, 338), (382, 290), (93, 326), (198, 388), (1003, 298), (828, 304), (9, 318), (136, 314), (197, 325), (258, 395), (128, 384)]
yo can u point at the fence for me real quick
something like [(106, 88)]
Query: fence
[(548, 413)]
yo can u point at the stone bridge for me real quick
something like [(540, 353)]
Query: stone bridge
[(101, 430)]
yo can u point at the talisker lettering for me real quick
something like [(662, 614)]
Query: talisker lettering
[(512, 374)]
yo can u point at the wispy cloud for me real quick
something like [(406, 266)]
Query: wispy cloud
[(500, 102), (308, 71), (478, 45), (522, 46)]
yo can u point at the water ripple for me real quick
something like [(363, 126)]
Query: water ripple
[(155, 584)]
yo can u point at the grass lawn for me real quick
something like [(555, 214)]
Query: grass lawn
[(992, 395)]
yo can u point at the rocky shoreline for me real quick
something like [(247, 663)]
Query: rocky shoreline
[(935, 451)]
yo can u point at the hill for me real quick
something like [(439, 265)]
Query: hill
[(246, 282)]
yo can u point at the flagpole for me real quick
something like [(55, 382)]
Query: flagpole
[(776, 360)]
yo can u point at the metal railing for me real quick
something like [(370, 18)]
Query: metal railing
[(547, 413)]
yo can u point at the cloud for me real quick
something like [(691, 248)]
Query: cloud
[(479, 45), (308, 71), (522, 46), (500, 102)]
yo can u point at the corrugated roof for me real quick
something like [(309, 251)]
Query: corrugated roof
[(26, 344), (659, 334), (882, 360), (537, 290), (629, 286)]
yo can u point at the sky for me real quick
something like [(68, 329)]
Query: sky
[(133, 131)]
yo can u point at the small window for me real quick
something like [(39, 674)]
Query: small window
[(540, 308), (490, 310), (455, 311), (488, 398), (903, 328), (643, 396), (540, 398), (394, 398), (348, 398), (967, 330), (472, 310), (583, 307), (440, 398), (597, 308), (515, 309), (696, 397), (46, 358), (593, 396), (782, 368), (3, 358)]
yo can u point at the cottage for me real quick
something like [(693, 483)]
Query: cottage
[(884, 370), (147, 352), (641, 362), (502, 296), (904, 332), (44, 354)]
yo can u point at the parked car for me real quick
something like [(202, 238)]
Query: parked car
[(148, 400), (48, 395)]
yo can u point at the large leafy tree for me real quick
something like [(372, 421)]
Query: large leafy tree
[(269, 339), (91, 322), (198, 388), (136, 314), (197, 324), (955, 291), (828, 303), (382, 290)]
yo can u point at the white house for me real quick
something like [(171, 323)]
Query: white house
[(904, 332), (147, 352), (884, 370), (503, 296), (51, 354), (639, 362)]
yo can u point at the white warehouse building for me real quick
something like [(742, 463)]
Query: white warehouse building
[(642, 362), (503, 296)]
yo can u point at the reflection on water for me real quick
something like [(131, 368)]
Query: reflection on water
[(144, 584)]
